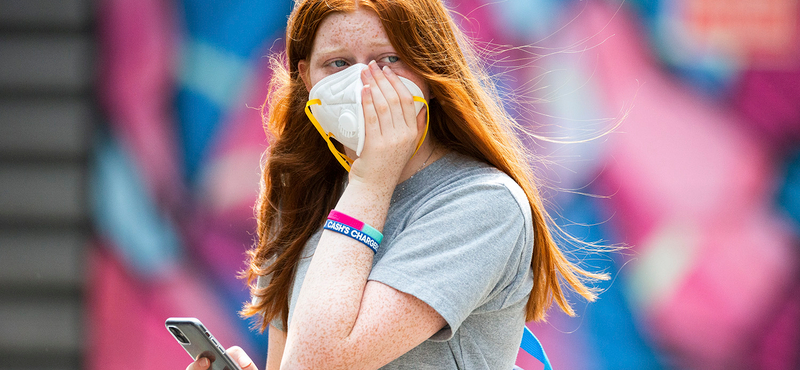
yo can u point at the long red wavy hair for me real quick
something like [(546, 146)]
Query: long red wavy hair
[(302, 181)]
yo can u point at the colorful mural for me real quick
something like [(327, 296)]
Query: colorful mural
[(669, 127)]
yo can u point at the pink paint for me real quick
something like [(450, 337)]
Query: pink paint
[(125, 317), (678, 158), (138, 49)]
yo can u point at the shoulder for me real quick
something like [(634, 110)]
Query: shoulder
[(475, 185), (460, 198)]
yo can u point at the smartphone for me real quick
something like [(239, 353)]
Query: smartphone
[(198, 342)]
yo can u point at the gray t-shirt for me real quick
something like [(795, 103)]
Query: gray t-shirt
[(459, 237)]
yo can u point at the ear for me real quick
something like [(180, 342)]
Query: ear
[(302, 67)]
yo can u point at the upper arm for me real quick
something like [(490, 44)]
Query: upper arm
[(390, 323), (277, 342)]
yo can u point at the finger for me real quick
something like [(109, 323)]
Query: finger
[(389, 95), (241, 358), (371, 126), (378, 101), (404, 95), (201, 363)]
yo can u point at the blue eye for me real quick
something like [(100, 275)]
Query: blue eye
[(392, 58), (339, 63)]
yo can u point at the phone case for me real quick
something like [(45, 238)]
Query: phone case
[(198, 342)]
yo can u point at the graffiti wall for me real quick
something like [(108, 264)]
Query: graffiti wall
[(669, 128)]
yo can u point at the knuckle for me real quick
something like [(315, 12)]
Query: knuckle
[(382, 109)]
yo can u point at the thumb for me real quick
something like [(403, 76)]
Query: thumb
[(241, 358)]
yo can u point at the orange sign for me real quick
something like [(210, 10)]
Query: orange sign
[(762, 33)]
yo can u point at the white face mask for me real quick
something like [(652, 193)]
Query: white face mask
[(334, 107)]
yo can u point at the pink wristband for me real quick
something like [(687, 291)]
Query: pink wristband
[(356, 224)]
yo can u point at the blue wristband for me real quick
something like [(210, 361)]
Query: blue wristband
[(353, 233)]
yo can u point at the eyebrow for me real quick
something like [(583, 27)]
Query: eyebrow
[(339, 49)]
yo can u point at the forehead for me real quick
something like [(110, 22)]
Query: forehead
[(349, 28)]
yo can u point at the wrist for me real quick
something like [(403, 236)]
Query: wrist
[(366, 202), (373, 180), (370, 189)]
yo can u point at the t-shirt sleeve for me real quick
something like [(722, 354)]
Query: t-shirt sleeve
[(277, 323), (459, 249), (262, 282)]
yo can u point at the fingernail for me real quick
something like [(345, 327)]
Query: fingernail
[(244, 361), (386, 69), (204, 362)]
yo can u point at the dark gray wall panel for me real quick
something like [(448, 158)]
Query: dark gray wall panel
[(42, 259), (54, 63), (42, 192), (48, 326), (38, 14), (45, 127)]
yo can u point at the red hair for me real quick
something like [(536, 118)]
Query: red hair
[(301, 181)]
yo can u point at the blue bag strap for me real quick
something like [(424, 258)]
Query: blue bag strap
[(534, 348)]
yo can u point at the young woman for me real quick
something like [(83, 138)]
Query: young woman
[(466, 256)]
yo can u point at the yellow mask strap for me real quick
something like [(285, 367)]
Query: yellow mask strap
[(343, 159), (427, 123)]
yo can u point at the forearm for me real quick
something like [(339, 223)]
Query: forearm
[(330, 299), (277, 343)]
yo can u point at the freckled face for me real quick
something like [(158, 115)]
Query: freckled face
[(344, 39)]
